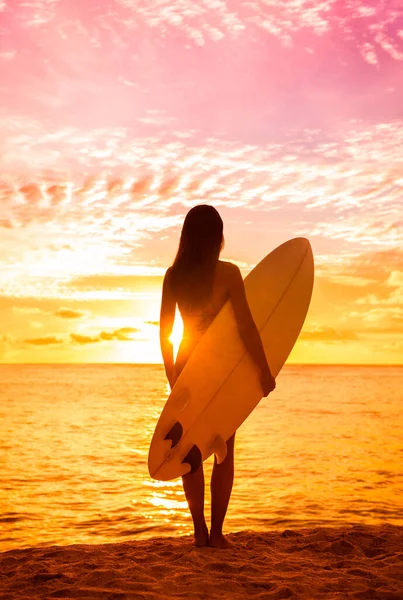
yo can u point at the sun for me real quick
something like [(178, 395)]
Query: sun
[(177, 332)]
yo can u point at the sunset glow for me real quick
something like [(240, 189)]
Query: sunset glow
[(117, 117)]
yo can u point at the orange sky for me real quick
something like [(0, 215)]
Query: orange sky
[(114, 122), (354, 317)]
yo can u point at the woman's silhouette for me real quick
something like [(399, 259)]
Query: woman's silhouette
[(200, 284)]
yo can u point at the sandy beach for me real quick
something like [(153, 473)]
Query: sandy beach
[(350, 562)]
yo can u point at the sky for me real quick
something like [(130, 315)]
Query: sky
[(118, 116)]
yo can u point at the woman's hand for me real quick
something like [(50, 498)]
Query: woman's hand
[(267, 382)]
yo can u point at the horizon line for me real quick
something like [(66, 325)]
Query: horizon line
[(129, 364)]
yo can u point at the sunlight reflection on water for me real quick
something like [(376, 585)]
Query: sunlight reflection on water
[(325, 448)]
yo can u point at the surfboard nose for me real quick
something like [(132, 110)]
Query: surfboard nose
[(164, 471)]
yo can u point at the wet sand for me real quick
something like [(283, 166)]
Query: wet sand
[(349, 562)]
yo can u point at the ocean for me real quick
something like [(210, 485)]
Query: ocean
[(326, 448)]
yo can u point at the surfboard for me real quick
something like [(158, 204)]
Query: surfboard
[(220, 384)]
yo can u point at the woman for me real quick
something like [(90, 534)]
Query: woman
[(200, 284)]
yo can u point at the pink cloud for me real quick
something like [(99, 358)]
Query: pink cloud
[(56, 193), (31, 193), (243, 68), (6, 223)]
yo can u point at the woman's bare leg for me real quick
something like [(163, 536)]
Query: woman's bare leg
[(193, 484), (222, 479)]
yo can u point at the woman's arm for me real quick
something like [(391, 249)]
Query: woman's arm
[(167, 317), (247, 328)]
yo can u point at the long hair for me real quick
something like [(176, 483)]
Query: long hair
[(193, 269)]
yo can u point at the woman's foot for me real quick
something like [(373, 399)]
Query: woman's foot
[(201, 538), (218, 540)]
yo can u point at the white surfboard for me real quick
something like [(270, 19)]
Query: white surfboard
[(220, 384)]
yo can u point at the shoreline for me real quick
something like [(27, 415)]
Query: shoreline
[(355, 561)]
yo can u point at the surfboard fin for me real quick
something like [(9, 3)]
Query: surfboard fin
[(219, 447), (184, 470), (175, 434), (193, 458)]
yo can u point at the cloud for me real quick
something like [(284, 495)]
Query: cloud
[(360, 293), (69, 313), (362, 270), (123, 335), (6, 338), (378, 265), (44, 341), (395, 279), (114, 185), (32, 193), (141, 186), (382, 318), (341, 189), (26, 310), (323, 333), (169, 186), (390, 293), (370, 29), (6, 223), (156, 323), (123, 282), (57, 194), (83, 339)]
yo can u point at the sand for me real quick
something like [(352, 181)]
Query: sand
[(350, 562)]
